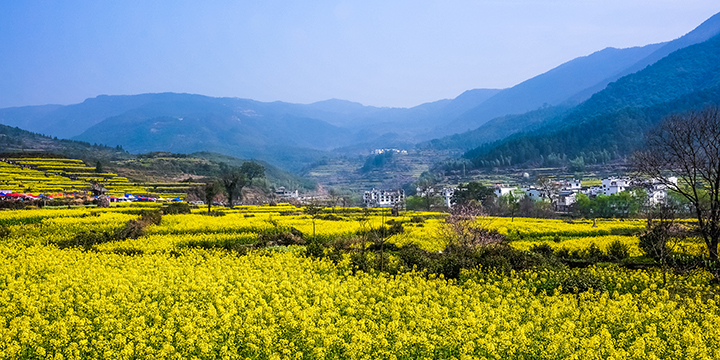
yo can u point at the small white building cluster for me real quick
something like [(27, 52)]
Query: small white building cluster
[(384, 198), (283, 193), (382, 151), (563, 194)]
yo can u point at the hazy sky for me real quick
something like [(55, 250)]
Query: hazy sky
[(382, 53)]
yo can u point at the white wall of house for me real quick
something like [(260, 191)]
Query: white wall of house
[(503, 190), (447, 194), (383, 198), (613, 186)]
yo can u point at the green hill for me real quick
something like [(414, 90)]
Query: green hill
[(161, 166)]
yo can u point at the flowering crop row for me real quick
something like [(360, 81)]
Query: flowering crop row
[(212, 304)]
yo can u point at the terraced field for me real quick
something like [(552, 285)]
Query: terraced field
[(50, 176)]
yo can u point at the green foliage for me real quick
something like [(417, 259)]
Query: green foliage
[(417, 219), (252, 170), (414, 203), (176, 208), (623, 205), (377, 161), (542, 249), (581, 281), (151, 217), (618, 250), (4, 232), (471, 191)]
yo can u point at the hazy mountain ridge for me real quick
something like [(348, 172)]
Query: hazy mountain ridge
[(616, 118), (506, 125), (294, 135)]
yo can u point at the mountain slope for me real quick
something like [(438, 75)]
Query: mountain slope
[(575, 81), (707, 30), (553, 87), (237, 127), (615, 119), (496, 129)]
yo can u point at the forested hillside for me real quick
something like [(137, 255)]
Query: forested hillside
[(612, 122)]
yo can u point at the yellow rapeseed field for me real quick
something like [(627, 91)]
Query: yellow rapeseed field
[(159, 297)]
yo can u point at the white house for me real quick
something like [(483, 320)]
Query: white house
[(447, 194), (613, 185), (657, 191), (532, 192), (383, 198), (281, 192), (501, 190), (574, 185), (565, 200)]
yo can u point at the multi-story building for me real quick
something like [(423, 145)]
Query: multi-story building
[(384, 198)]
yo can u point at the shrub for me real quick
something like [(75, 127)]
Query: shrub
[(417, 219), (151, 217), (4, 232), (331, 217), (412, 256), (542, 249), (279, 236), (618, 250), (581, 281), (132, 229), (315, 249), (594, 253), (563, 253), (176, 208), (86, 239)]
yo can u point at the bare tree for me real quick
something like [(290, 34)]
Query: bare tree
[(683, 154), (426, 187), (466, 227), (548, 188)]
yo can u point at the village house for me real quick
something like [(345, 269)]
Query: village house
[(447, 194), (283, 193), (383, 198), (382, 151), (501, 190), (614, 185)]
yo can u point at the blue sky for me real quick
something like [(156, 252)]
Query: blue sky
[(382, 53)]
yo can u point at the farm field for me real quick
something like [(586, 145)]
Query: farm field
[(195, 286), (50, 176)]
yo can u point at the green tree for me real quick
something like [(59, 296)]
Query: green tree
[(252, 170), (99, 167), (232, 180), (211, 189), (471, 191)]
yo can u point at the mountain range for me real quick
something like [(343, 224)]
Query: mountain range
[(580, 92), (614, 120)]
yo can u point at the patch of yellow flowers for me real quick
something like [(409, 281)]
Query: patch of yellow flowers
[(200, 304), (172, 301)]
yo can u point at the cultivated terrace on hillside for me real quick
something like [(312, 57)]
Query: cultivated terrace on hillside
[(57, 176)]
